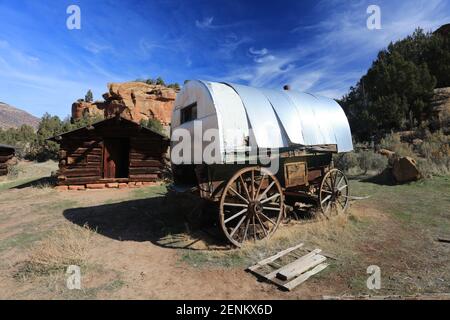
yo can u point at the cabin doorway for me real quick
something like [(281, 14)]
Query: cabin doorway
[(116, 158)]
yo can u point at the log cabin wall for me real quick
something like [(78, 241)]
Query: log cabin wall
[(6, 154), (85, 155)]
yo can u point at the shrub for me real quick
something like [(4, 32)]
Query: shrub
[(393, 143), (361, 161), (13, 171), (154, 124), (346, 161), (369, 160)]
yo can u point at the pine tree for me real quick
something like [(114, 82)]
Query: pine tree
[(89, 97)]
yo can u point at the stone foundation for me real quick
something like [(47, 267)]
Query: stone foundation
[(109, 185)]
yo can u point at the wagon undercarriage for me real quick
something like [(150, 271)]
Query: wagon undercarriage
[(252, 201)]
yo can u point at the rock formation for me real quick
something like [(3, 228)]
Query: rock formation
[(402, 169), (441, 106), (135, 101), (405, 170), (82, 108)]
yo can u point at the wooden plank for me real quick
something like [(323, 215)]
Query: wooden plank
[(289, 266), (144, 156), (88, 172), (305, 276), (274, 257), (93, 158), (81, 180), (326, 254), (144, 170), (143, 176), (145, 163), (301, 265)]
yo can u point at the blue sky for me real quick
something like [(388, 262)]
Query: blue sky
[(316, 46)]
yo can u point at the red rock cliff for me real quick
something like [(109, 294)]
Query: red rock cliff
[(133, 100)]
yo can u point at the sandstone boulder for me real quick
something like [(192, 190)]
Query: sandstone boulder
[(135, 101), (405, 170), (441, 106), (387, 153), (83, 108)]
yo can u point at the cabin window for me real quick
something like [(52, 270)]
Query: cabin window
[(189, 113)]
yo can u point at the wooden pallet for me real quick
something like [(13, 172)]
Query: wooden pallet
[(290, 267)]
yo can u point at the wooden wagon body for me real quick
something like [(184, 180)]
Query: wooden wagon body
[(272, 150)]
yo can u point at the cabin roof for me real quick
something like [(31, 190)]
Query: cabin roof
[(56, 138)]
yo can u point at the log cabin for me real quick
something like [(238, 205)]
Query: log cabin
[(6, 154), (114, 152)]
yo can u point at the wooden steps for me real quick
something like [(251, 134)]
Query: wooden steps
[(290, 267)]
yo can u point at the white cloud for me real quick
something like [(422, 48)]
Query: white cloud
[(205, 23), (260, 52), (340, 41), (230, 44), (96, 48)]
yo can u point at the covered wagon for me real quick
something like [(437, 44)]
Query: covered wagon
[(256, 152)]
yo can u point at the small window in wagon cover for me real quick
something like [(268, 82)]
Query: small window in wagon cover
[(189, 113)]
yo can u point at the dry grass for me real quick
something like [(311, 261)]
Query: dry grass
[(333, 235), (67, 245)]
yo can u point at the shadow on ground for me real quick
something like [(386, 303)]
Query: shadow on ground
[(384, 178), (166, 221), (40, 182)]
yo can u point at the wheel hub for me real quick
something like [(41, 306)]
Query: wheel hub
[(255, 207)]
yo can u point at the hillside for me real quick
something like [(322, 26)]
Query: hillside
[(11, 117)]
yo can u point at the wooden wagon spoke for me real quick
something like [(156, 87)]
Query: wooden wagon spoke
[(246, 229), (271, 208), (326, 191), (253, 184), (254, 228), (267, 190), (329, 186), (262, 225), (237, 226), (235, 205), (339, 183), (328, 206), (237, 193), (343, 187), (268, 219), (236, 215), (276, 195), (245, 187), (259, 186), (342, 205), (326, 198)]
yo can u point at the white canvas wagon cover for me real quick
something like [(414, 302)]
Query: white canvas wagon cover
[(273, 118)]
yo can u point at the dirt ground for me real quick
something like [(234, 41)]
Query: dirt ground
[(144, 244)]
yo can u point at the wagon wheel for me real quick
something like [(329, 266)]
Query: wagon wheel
[(251, 205), (333, 193)]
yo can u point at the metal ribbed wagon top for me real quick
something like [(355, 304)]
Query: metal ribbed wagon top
[(276, 118)]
